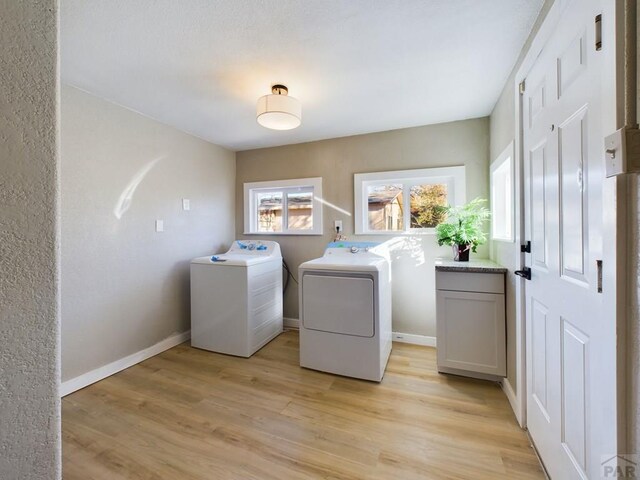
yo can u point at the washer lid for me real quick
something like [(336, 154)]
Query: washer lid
[(233, 260)]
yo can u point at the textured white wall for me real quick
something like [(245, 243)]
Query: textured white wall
[(447, 144), (124, 286), (29, 318)]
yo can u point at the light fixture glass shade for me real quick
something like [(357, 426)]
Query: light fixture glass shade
[(279, 112)]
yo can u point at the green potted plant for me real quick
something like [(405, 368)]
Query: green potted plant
[(463, 229)]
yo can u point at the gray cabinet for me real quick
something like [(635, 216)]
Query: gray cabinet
[(471, 327)]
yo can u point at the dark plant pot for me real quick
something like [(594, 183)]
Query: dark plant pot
[(461, 253)]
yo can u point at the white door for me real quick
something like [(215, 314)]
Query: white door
[(570, 344)]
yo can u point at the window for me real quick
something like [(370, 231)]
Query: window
[(283, 207), (502, 196), (406, 201)]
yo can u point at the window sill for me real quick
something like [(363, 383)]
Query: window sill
[(404, 233), (284, 234), (503, 240)]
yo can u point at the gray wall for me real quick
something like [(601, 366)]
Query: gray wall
[(29, 317), (502, 132), (124, 286), (458, 143)]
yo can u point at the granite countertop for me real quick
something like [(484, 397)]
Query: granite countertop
[(478, 265)]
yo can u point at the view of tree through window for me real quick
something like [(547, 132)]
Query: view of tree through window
[(409, 201), (386, 206), (426, 202)]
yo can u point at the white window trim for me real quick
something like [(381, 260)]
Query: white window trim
[(454, 177), (507, 155), (250, 214)]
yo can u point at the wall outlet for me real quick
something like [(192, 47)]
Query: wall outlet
[(159, 225), (186, 204), (337, 224)]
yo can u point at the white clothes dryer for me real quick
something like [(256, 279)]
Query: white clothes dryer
[(345, 310)]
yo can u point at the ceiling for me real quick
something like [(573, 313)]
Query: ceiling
[(357, 66)]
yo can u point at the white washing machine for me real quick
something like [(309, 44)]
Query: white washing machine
[(236, 298), (345, 310)]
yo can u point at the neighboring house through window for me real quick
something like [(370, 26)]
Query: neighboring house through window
[(406, 200), (283, 207)]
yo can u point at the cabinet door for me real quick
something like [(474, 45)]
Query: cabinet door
[(471, 331)]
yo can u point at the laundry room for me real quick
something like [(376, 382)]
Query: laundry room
[(321, 239), (463, 143)]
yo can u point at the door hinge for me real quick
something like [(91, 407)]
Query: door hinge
[(521, 87), (598, 32), (599, 265)]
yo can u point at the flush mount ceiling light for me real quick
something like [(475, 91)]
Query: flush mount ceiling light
[(278, 111)]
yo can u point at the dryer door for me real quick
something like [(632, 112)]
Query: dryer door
[(343, 305)]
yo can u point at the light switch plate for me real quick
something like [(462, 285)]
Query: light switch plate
[(615, 158), (186, 204), (159, 225), (622, 152)]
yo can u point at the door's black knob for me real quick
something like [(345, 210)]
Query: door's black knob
[(524, 273)]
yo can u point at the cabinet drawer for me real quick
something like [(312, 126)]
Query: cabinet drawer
[(470, 282)]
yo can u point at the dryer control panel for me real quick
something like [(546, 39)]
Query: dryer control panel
[(338, 248)]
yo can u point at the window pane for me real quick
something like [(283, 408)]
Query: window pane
[(300, 211), (269, 211), (426, 205), (385, 207), (502, 201)]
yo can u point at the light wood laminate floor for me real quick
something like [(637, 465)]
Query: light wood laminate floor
[(192, 414)]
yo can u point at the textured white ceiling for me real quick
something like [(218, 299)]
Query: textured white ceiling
[(357, 66)]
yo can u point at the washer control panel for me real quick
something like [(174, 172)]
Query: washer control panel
[(253, 247)]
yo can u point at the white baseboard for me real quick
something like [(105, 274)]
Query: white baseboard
[(414, 339), (105, 371), (512, 397), (397, 337), (291, 323)]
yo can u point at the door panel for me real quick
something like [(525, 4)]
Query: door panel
[(571, 64), (572, 139), (536, 103), (539, 364), (539, 208), (574, 392)]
